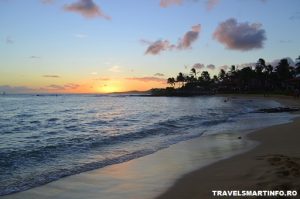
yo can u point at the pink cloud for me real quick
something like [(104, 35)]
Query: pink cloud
[(86, 8), (240, 36)]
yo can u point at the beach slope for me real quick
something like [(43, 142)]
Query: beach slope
[(273, 165)]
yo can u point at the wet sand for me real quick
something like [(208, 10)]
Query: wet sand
[(273, 165)]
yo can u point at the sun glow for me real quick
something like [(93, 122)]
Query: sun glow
[(108, 89)]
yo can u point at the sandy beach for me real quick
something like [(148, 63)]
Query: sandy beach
[(274, 164)]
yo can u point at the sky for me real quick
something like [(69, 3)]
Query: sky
[(101, 46)]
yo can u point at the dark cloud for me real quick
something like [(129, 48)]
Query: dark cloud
[(211, 66), (159, 75), (167, 3), (147, 79), (86, 8), (240, 36), (210, 4), (15, 89), (198, 66), (51, 76), (188, 39)]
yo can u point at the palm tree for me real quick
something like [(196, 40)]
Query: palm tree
[(180, 78), (171, 81), (222, 75), (283, 70), (193, 71)]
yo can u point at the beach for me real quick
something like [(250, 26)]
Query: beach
[(267, 159), (273, 165)]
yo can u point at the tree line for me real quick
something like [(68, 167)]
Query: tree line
[(283, 78)]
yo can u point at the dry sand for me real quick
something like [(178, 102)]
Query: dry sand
[(273, 165)]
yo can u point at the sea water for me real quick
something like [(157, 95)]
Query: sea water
[(46, 137)]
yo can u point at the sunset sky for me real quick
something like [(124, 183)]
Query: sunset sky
[(99, 46)]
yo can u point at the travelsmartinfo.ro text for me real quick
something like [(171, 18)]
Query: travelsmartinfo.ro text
[(266, 193)]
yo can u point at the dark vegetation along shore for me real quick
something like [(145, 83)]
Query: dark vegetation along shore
[(263, 78)]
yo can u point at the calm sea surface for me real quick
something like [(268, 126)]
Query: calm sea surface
[(45, 138)]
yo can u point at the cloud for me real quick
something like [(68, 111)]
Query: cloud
[(61, 87), (115, 69), (93, 73), (159, 74), (210, 4), (51, 76), (224, 67), (198, 66), (186, 42), (147, 79), (211, 66), (240, 36), (86, 8), (71, 86), (15, 89), (158, 46), (167, 3), (189, 37), (9, 40)]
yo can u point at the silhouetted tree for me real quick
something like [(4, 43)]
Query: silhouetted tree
[(171, 81), (180, 78), (283, 70), (194, 72), (222, 75)]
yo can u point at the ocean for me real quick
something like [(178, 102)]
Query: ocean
[(47, 137)]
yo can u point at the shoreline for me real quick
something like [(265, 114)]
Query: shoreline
[(272, 165), (90, 185)]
